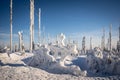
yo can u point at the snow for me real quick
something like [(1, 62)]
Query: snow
[(103, 62), (53, 62), (29, 73), (47, 58)]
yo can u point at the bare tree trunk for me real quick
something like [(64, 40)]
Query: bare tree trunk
[(11, 25), (90, 43), (31, 25), (39, 25), (110, 37), (119, 33), (103, 40), (83, 45)]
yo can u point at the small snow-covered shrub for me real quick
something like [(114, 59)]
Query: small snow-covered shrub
[(103, 62)]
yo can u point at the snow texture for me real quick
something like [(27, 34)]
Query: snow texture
[(53, 62), (103, 62), (54, 59), (29, 73)]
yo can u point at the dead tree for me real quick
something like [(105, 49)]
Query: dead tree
[(39, 26), (31, 25), (83, 45), (20, 41), (11, 25), (110, 39), (118, 43), (103, 40), (90, 43)]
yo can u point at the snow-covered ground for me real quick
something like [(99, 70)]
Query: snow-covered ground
[(30, 73), (51, 62)]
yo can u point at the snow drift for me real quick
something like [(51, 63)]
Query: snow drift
[(54, 59), (103, 62)]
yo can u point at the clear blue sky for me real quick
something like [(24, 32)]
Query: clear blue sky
[(67, 16)]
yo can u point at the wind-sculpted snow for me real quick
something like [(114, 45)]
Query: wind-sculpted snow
[(54, 59), (53, 62), (104, 63)]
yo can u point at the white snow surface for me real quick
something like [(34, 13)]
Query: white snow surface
[(30, 73), (106, 63), (55, 60), (59, 63)]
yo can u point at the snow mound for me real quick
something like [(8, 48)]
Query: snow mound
[(105, 63), (56, 60)]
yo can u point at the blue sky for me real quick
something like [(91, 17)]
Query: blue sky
[(67, 16)]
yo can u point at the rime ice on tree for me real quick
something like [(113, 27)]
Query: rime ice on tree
[(21, 45), (39, 25), (11, 25), (62, 38), (31, 25)]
